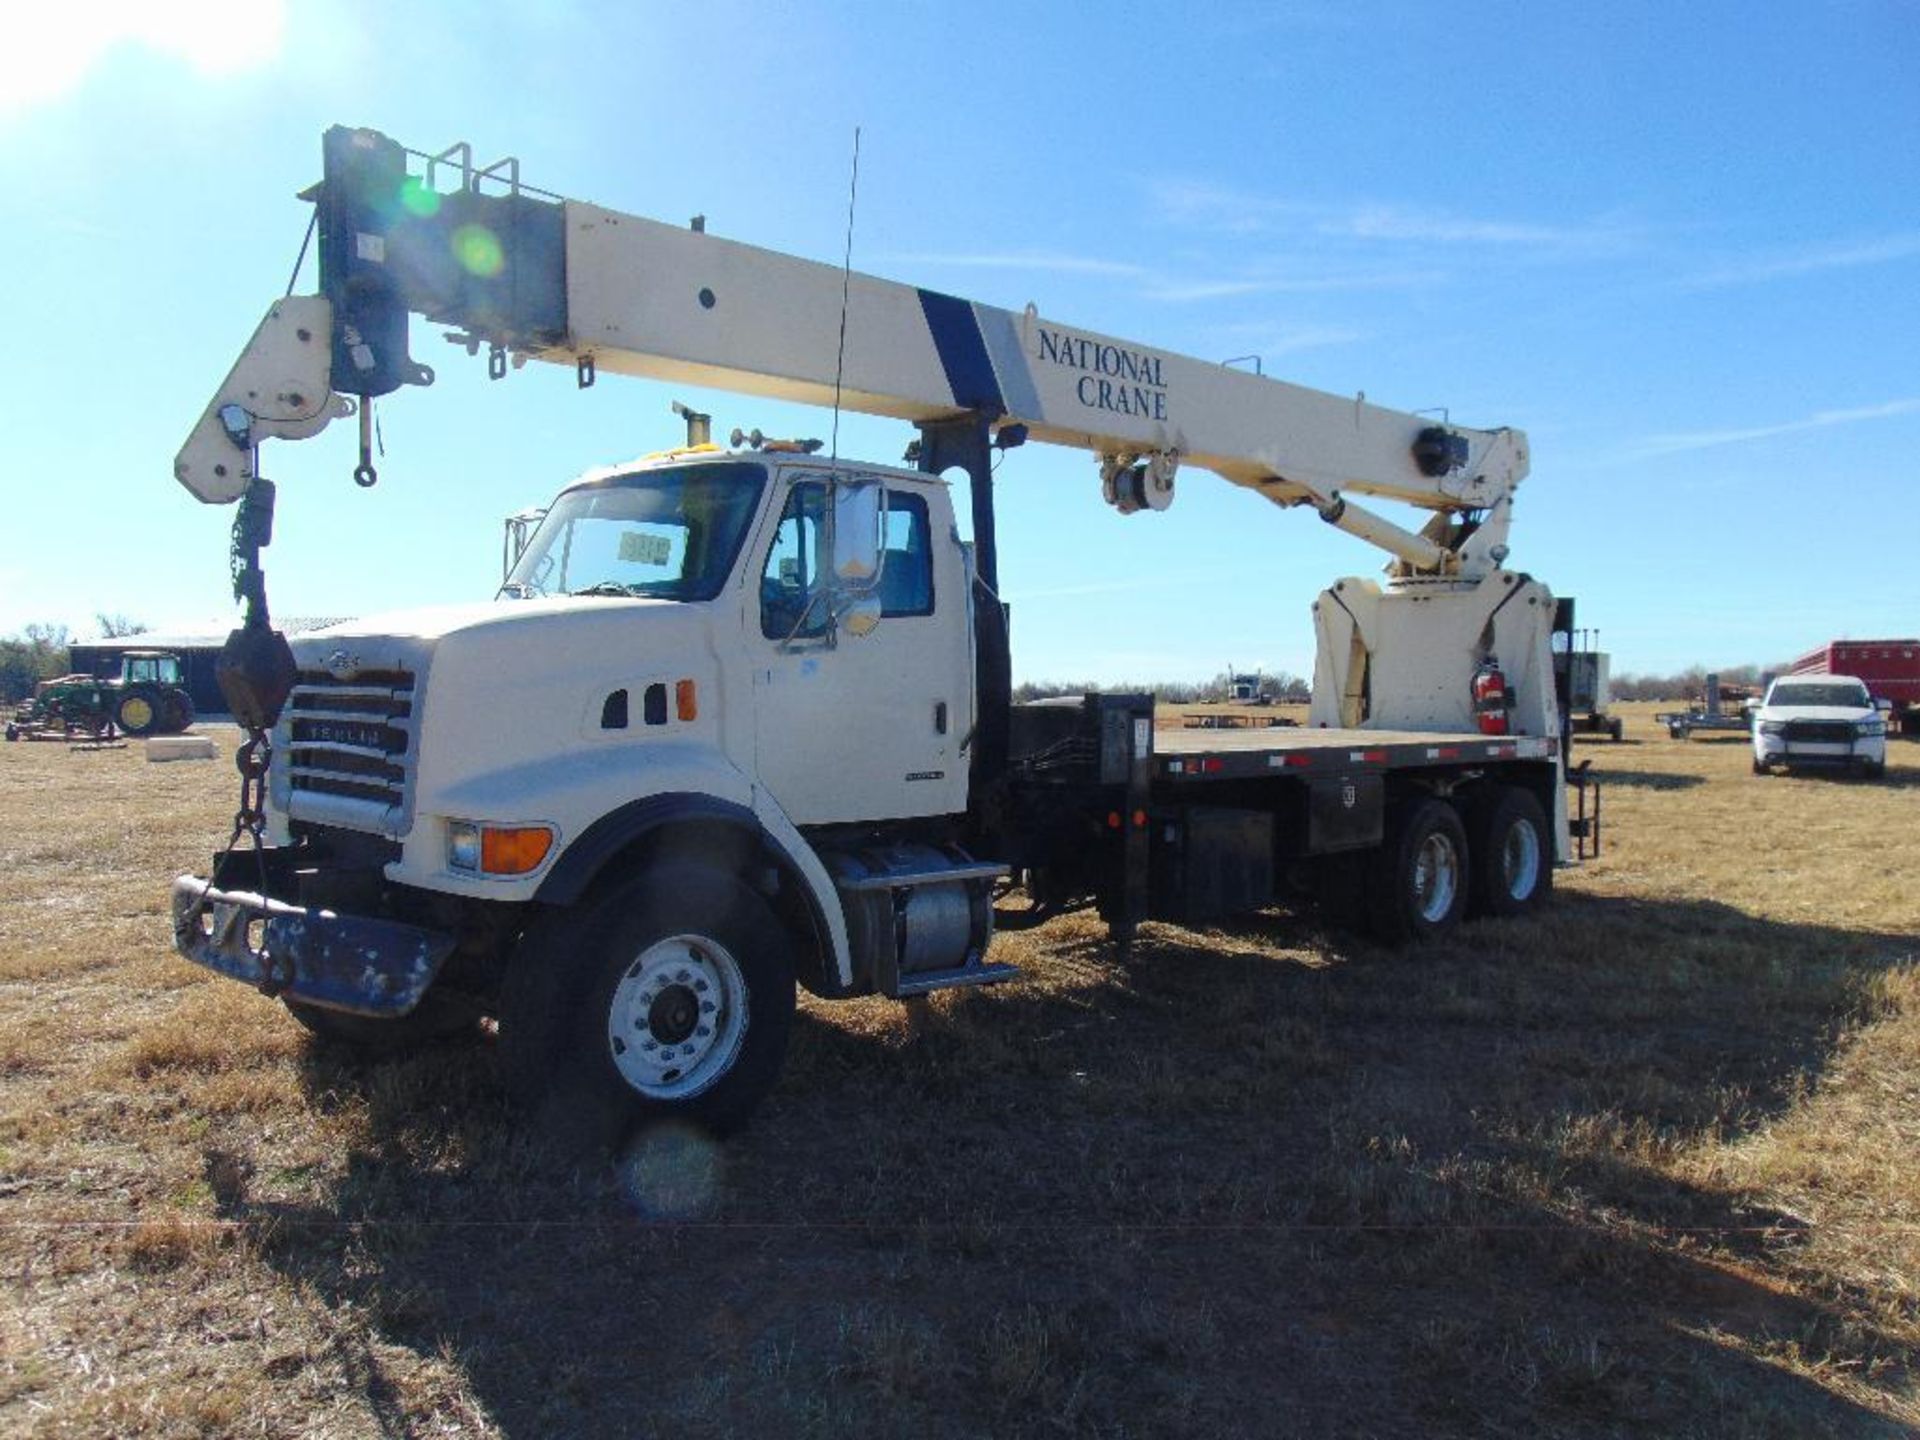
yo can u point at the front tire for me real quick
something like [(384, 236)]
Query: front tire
[(1512, 855), (667, 995), (1417, 885), (139, 711)]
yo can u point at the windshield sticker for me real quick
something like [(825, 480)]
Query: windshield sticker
[(639, 548)]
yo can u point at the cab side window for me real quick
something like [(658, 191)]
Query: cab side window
[(793, 600), (906, 578), (794, 604)]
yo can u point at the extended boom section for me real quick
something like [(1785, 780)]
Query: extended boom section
[(526, 275)]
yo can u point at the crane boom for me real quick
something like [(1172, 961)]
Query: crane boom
[(534, 276)]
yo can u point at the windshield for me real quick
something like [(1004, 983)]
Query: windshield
[(667, 534), (1826, 693)]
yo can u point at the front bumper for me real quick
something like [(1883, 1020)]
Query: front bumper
[(380, 968), (1777, 750)]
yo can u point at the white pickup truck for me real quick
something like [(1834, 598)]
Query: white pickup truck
[(1820, 720)]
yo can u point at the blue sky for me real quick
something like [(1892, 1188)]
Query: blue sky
[(1679, 245)]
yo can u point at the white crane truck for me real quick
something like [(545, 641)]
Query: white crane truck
[(741, 719)]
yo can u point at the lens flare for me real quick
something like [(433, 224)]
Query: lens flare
[(417, 199), (670, 1172), (478, 250)]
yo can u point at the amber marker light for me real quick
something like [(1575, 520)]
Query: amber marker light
[(513, 849), (686, 701)]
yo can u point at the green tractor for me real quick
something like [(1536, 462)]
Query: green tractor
[(147, 697)]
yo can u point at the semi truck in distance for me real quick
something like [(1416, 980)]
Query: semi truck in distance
[(739, 720)]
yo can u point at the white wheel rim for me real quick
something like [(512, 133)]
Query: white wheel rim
[(1436, 877), (678, 1017), (1520, 860)]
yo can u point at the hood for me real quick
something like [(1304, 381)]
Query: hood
[(1817, 712), (435, 622)]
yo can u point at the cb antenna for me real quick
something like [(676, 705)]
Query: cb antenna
[(846, 285)]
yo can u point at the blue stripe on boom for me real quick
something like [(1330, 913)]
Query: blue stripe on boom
[(963, 354)]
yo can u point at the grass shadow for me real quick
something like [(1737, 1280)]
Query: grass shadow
[(1648, 779), (1254, 1181)]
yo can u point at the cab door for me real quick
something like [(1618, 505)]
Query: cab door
[(862, 727)]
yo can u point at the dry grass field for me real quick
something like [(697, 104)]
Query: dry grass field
[(1647, 1164)]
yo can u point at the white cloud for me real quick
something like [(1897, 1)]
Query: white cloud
[(51, 49), (1839, 255), (1186, 291), (1049, 262), (1820, 420), (1234, 212)]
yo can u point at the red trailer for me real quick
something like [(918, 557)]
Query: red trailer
[(1891, 669)]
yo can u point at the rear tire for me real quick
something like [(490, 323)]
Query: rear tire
[(1512, 852), (179, 712), (667, 995), (1417, 884)]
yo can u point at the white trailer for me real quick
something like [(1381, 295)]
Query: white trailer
[(761, 723)]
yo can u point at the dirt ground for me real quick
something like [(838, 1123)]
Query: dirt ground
[(1646, 1163)]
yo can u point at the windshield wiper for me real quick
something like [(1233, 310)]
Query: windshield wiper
[(606, 587)]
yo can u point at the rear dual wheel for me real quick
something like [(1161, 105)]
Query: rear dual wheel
[(1512, 854), (1416, 886)]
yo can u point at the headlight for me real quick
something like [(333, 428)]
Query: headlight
[(478, 849), (463, 845), (1870, 727), (1773, 727)]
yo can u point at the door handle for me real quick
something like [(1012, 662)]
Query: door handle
[(939, 717)]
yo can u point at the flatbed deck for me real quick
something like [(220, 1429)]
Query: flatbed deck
[(1199, 754)]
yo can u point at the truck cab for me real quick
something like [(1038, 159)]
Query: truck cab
[(694, 623)]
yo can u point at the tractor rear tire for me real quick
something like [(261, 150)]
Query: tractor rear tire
[(179, 712), (140, 710)]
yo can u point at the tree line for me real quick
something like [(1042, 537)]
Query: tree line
[(39, 652), (1277, 687)]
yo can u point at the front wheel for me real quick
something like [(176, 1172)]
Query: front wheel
[(139, 711), (667, 995), (1417, 886)]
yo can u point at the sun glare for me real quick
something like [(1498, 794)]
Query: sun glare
[(51, 50)]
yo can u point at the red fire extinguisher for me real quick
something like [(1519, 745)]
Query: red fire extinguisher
[(1491, 699)]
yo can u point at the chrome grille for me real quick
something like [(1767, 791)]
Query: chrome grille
[(351, 740), (1820, 732)]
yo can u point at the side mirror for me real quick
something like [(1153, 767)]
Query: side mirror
[(859, 513), (1883, 704)]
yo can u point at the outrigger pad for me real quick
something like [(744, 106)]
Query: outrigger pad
[(256, 671)]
